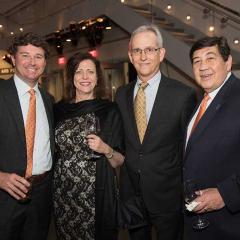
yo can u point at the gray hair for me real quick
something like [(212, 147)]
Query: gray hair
[(148, 28)]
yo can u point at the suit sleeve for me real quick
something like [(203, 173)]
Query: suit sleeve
[(117, 132), (230, 192), (189, 106)]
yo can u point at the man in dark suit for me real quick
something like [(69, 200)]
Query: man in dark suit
[(212, 156), (154, 152), (25, 178)]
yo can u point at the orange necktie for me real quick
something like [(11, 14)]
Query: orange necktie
[(201, 111), (30, 132), (140, 110)]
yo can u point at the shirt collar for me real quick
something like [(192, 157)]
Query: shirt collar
[(153, 80), (22, 87), (214, 93)]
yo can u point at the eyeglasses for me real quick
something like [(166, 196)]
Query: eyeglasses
[(148, 51)]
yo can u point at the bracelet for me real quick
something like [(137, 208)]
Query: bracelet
[(110, 154)]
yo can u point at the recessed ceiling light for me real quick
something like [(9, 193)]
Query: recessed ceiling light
[(211, 29), (169, 7), (236, 41), (188, 17)]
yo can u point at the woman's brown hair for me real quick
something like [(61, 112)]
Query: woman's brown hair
[(72, 65)]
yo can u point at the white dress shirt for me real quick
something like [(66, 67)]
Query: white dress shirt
[(212, 95), (42, 157), (150, 92)]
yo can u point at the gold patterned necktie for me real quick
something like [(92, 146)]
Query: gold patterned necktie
[(140, 110), (30, 132), (201, 111)]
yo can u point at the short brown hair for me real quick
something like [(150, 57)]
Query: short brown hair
[(29, 38)]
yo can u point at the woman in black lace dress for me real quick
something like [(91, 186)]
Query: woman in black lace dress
[(84, 186)]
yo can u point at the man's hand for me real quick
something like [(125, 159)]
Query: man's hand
[(209, 200), (14, 184)]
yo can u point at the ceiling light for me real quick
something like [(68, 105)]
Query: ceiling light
[(99, 19), (122, 1), (68, 40), (211, 29), (169, 7), (236, 41), (188, 17), (1, 26), (21, 29), (12, 33)]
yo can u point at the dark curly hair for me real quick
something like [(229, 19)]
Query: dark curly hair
[(220, 42), (71, 68), (29, 38)]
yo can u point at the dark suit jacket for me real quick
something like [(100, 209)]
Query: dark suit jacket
[(13, 157), (158, 159), (213, 158)]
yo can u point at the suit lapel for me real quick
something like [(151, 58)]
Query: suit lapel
[(190, 118), (48, 108), (11, 97), (158, 107), (130, 108), (211, 112)]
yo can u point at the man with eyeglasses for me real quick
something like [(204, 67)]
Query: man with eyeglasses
[(155, 110)]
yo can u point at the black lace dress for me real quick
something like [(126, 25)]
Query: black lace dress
[(83, 186)]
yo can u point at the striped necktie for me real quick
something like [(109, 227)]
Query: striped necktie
[(30, 131), (201, 111), (140, 110)]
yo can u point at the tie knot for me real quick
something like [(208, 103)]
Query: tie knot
[(206, 97), (143, 85), (32, 92)]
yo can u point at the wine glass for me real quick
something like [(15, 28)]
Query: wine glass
[(92, 126), (191, 190)]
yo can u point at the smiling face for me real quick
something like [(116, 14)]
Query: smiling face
[(209, 68), (146, 65), (29, 62), (85, 80)]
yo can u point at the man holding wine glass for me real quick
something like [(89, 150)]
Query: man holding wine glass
[(212, 151)]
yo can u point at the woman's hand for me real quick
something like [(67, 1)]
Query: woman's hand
[(96, 144)]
